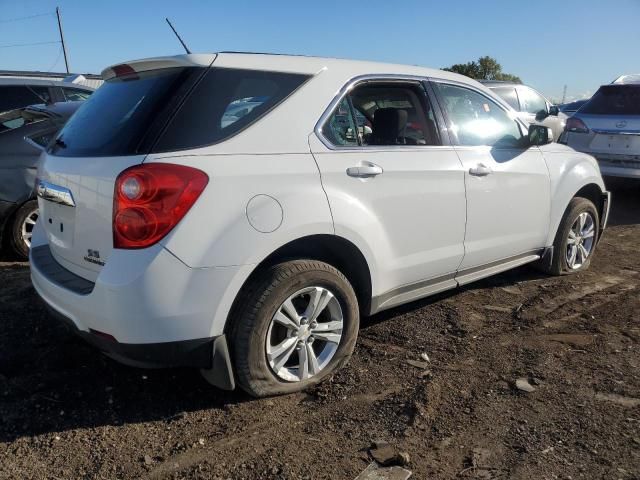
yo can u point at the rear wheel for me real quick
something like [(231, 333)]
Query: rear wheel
[(297, 324), (22, 228), (576, 238)]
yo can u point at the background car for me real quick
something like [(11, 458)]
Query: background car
[(21, 92), (532, 106), (23, 134), (608, 127), (572, 107)]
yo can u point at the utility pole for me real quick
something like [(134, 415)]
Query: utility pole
[(564, 94), (64, 47)]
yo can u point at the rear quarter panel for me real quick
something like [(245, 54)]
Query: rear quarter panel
[(228, 225)]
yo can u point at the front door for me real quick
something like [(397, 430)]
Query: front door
[(507, 182)]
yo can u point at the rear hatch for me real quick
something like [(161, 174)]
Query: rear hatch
[(613, 115), (113, 130)]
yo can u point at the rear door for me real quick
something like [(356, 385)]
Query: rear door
[(394, 184), (507, 182)]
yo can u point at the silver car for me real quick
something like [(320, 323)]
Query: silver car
[(530, 104), (608, 127)]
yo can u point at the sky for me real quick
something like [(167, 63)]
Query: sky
[(547, 43)]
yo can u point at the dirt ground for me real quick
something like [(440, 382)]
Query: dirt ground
[(66, 411)]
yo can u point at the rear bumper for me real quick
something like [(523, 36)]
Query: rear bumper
[(145, 309), (209, 354), (627, 166)]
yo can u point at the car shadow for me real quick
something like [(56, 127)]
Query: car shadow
[(625, 201), (52, 381)]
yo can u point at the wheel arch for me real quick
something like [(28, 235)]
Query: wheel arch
[(332, 249)]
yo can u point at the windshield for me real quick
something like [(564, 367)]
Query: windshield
[(614, 100)]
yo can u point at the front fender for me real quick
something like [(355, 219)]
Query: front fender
[(569, 172)]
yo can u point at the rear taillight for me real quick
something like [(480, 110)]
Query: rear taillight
[(575, 125), (150, 199)]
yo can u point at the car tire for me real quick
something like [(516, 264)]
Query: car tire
[(263, 313), (570, 231), (22, 227)]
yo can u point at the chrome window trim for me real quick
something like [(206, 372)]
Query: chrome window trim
[(347, 88)]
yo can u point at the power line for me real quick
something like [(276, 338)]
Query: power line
[(28, 44), (17, 19), (57, 59)]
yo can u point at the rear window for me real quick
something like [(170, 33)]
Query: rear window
[(117, 118), (614, 100), (171, 109)]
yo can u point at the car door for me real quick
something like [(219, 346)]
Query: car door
[(507, 182), (395, 186)]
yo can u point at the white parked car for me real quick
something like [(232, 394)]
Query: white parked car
[(250, 250), (531, 105)]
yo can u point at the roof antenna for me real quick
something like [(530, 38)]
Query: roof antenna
[(179, 38)]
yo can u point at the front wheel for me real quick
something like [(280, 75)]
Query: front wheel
[(576, 238), (297, 323)]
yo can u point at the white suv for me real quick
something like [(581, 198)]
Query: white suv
[(248, 244)]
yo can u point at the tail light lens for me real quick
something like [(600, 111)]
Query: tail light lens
[(576, 125), (150, 199)]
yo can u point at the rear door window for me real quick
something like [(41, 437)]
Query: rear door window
[(614, 100), (380, 113)]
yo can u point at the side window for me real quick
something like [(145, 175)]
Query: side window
[(223, 103), (340, 129), (508, 94), (477, 120), (532, 102), (75, 94), (394, 114)]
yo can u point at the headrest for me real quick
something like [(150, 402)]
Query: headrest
[(389, 123)]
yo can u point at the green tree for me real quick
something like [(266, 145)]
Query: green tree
[(485, 68)]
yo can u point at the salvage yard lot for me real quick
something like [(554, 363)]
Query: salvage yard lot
[(68, 412)]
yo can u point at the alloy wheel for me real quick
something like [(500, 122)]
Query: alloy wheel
[(304, 334), (26, 230), (580, 241)]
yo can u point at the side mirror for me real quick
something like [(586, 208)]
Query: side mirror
[(554, 110), (540, 135)]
